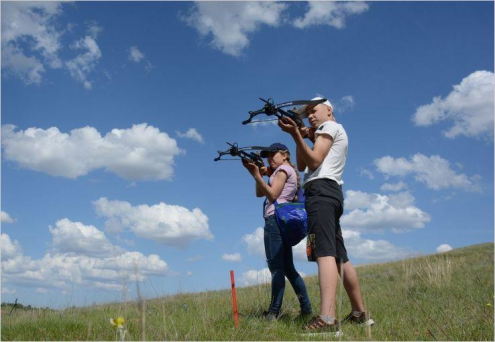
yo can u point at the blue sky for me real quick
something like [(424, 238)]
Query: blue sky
[(113, 112)]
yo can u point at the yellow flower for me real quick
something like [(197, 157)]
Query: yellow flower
[(119, 322)]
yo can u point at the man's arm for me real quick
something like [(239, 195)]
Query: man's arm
[(312, 157), (301, 164)]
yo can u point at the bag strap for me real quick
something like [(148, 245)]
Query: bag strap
[(300, 196), (264, 202)]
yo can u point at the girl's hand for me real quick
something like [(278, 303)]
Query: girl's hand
[(252, 168), (266, 171)]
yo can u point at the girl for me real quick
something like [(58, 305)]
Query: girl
[(282, 187)]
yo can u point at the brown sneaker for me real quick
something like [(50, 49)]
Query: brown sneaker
[(360, 318), (318, 326)]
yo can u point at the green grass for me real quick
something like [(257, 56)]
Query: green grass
[(438, 297)]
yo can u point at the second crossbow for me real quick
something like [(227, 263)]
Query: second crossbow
[(246, 154)]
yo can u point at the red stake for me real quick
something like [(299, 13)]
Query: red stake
[(234, 300)]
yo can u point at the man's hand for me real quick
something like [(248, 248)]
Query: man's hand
[(289, 126), (311, 134), (308, 132)]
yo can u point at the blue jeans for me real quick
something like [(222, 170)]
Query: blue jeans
[(281, 265)]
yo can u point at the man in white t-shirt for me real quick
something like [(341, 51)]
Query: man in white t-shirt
[(325, 164)]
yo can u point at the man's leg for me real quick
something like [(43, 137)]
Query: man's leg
[(323, 214), (346, 270), (328, 277), (351, 285)]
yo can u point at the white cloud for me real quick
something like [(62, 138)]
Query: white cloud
[(393, 187), (5, 217), (31, 22), (139, 153), (347, 102), (366, 173), (255, 277), (232, 257), (443, 248), (75, 237), (10, 249), (357, 247), (117, 287), (41, 290), (299, 251), (31, 42), (255, 242), (168, 224), (94, 29), (375, 212), (135, 55), (6, 290), (195, 258), (63, 270), (107, 74), (28, 69), (434, 171), (255, 245), (469, 106), (80, 66), (230, 23), (329, 13), (191, 133), (373, 250), (189, 273)]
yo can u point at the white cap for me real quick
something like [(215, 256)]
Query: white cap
[(302, 110)]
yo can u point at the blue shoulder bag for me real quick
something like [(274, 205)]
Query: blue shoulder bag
[(292, 219)]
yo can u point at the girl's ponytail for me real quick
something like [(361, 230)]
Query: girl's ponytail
[(287, 156)]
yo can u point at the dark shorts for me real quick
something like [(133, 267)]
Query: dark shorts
[(324, 205)]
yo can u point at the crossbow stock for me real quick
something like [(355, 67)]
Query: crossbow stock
[(270, 108), (241, 152)]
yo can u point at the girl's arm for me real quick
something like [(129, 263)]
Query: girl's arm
[(259, 193), (273, 191)]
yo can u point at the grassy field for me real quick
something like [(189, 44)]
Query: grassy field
[(446, 296)]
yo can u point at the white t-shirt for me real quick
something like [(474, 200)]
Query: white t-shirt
[(332, 166)]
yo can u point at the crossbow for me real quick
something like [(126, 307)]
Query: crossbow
[(243, 154), (270, 108)]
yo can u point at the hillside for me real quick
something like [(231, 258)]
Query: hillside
[(446, 296)]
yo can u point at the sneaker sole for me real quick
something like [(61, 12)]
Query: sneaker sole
[(369, 322), (330, 333)]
